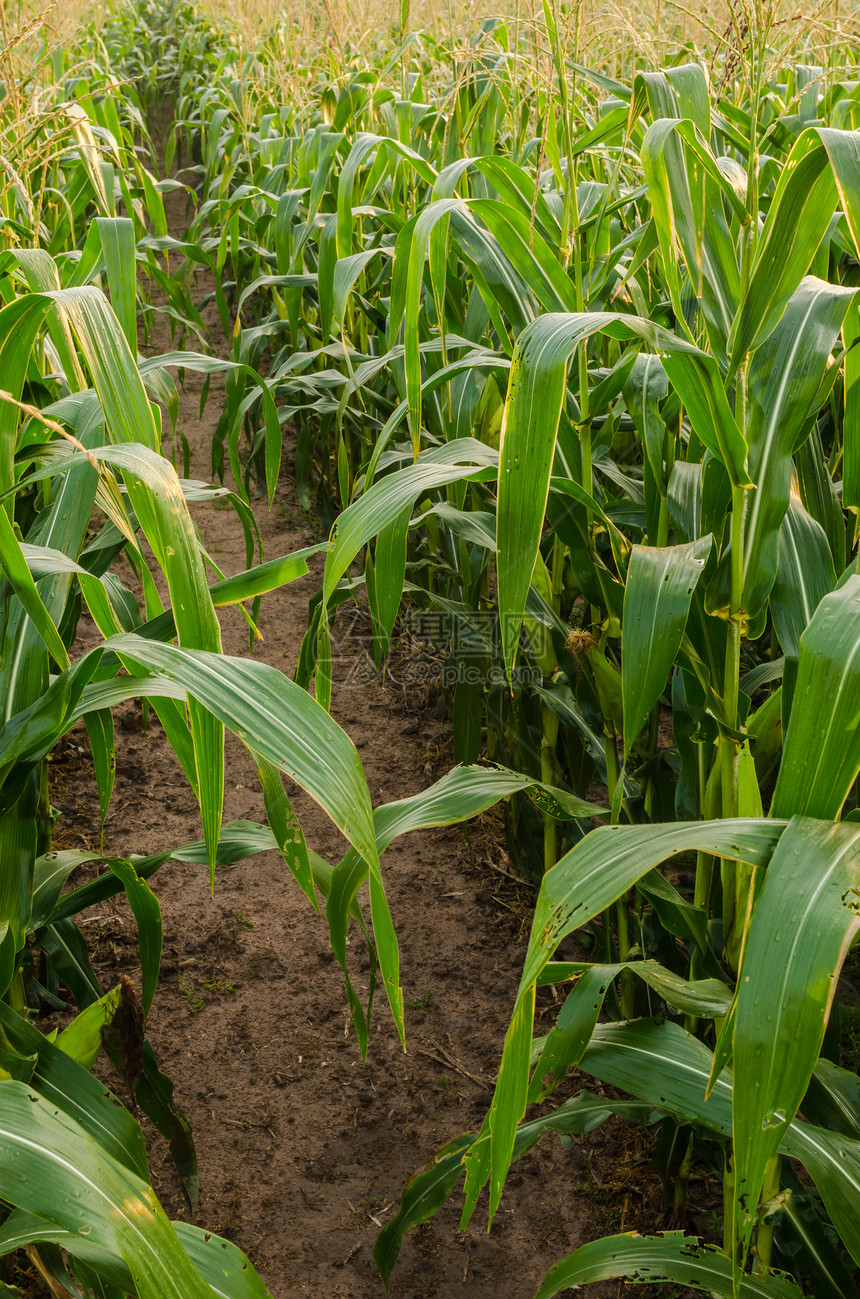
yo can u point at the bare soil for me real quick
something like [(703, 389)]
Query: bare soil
[(303, 1150)]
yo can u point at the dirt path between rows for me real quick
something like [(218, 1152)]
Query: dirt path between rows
[(303, 1151)]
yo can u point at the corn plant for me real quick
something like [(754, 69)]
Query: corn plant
[(81, 432), (740, 390), (573, 358)]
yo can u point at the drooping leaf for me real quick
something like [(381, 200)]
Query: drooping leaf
[(70, 1181), (585, 882), (671, 1257), (219, 1262)]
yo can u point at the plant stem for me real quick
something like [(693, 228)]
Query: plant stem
[(44, 819), (622, 920), (549, 736), (682, 1183), (731, 679), (732, 672), (610, 752)]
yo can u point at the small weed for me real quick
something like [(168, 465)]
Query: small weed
[(311, 518), (243, 919), (422, 1002), (195, 995)]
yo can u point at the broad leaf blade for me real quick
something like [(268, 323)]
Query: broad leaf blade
[(672, 1257), (70, 1181), (585, 882), (660, 585), (821, 754), (784, 377), (802, 927)]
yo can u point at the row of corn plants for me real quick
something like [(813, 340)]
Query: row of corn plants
[(83, 482), (89, 495), (572, 357)]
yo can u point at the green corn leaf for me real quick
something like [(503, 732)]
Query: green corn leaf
[(657, 595), (821, 750), (851, 422), (20, 322), (666, 1066), (270, 576), (426, 1192), (22, 1229), (113, 368), (364, 145), (65, 946), (817, 490), (833, 1099), (802, 928), (534, 403), (100, 733), (784, 376), (687, 188), (155, 495), (422, 233), (671, 1257), (516, 187), (219, 1262), (463, 793), (50, 874), (147, 913), (71, 1182), (154, 1094), (118, 247), (239, 840), (645, 388), (708, 997), (672, 92), (533, 259), (822, 166), (388, 572), (285, 826), (422, 1196), (804, 1239), (386, 500), (42, 276), (18, 844), (612, 858), (585, 882), (278, 719), (563, 1046), (346, 273), (158, 503), (30, 733), (833, 1162), (207, 365), (804, 576), (82, 1039), (17, 573)]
